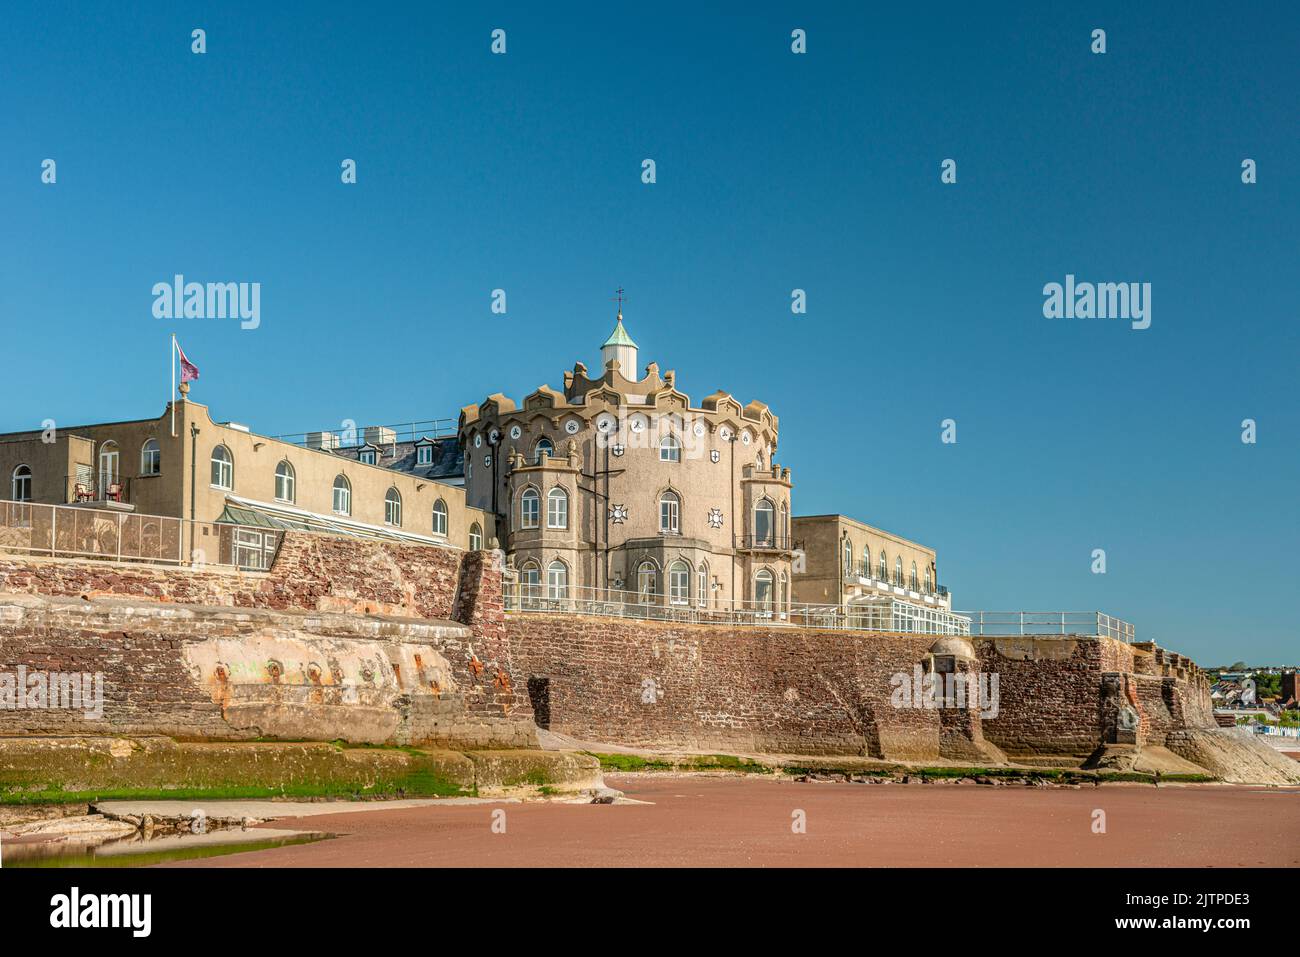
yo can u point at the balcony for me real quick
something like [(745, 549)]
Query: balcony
[(98, 491), (768, 543)]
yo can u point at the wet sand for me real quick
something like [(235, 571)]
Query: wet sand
[(733, 821)]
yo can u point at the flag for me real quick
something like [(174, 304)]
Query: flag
[(189, 371)]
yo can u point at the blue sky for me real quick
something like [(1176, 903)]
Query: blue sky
[(775, 171)]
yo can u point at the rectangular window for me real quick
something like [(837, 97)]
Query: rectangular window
[(557, 511), (424, 455), (669, 520)]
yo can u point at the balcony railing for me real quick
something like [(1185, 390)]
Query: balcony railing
[(65, 531), (882, 616), (1006, 623), (918, 586), (780, 543), (97, 488)]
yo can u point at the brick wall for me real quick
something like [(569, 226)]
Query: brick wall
[(711, 687), (312, 571), (174, 664), (1052, 696)]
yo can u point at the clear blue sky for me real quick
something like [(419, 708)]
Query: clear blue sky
[(775, 171)]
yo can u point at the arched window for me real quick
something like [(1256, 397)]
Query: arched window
[(647, 585), (22, 484), (557, 581), (108, 469), (475, 537), (670, 514), (393, 507), (882, 573), (557, 508), (913, 583), (784, 528), (223, 467), (530, 581), (929, 580), (784, 596), (847, 558), (763, 591), (150, 458), (679, 583), (898, 570), (342, 496), (284, 481), (530, 508), (866, 561), (670, 449), (764, 516), (702, 585), (440, 518), (543, 445)]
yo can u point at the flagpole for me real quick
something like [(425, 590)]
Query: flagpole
[(173, 392)]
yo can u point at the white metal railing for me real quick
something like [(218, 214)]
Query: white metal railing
[(1003, 623), (885, 615), (72, 532)]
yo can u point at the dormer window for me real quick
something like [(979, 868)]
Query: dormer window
[(367, 457), (424, 454)]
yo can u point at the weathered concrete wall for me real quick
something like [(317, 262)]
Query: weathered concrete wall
[(710, 687), (216, 673)]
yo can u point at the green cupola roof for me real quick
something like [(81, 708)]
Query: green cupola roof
[(619, 336)]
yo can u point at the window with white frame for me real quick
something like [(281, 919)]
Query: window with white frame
[(557, 581), (702, 585), (223, 468), (898, 570), (366, 457), (763, 590), (150, 458), (866, 561), (475, 537), (342, 496), (929, 580), (22, 484), (424, 454), (882, 573), (284, 482), (557, 508), (530, 508), (670, 449), (393, 507), (530, 581), (679, 583), (670, 514), (543, 445), (914, 584), (846, 557), (647, 582), (784, 595), (764, 515), (440, 518)]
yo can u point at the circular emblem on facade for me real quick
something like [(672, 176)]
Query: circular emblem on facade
[(715, 455), (715, 518), (494, 437), (637, 424), (698, 428), (572, 426), (515, 431), (607, 423), (478, 441), (618, 514), (616, 449), (725, 433), (487, 460), (744, 437)]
